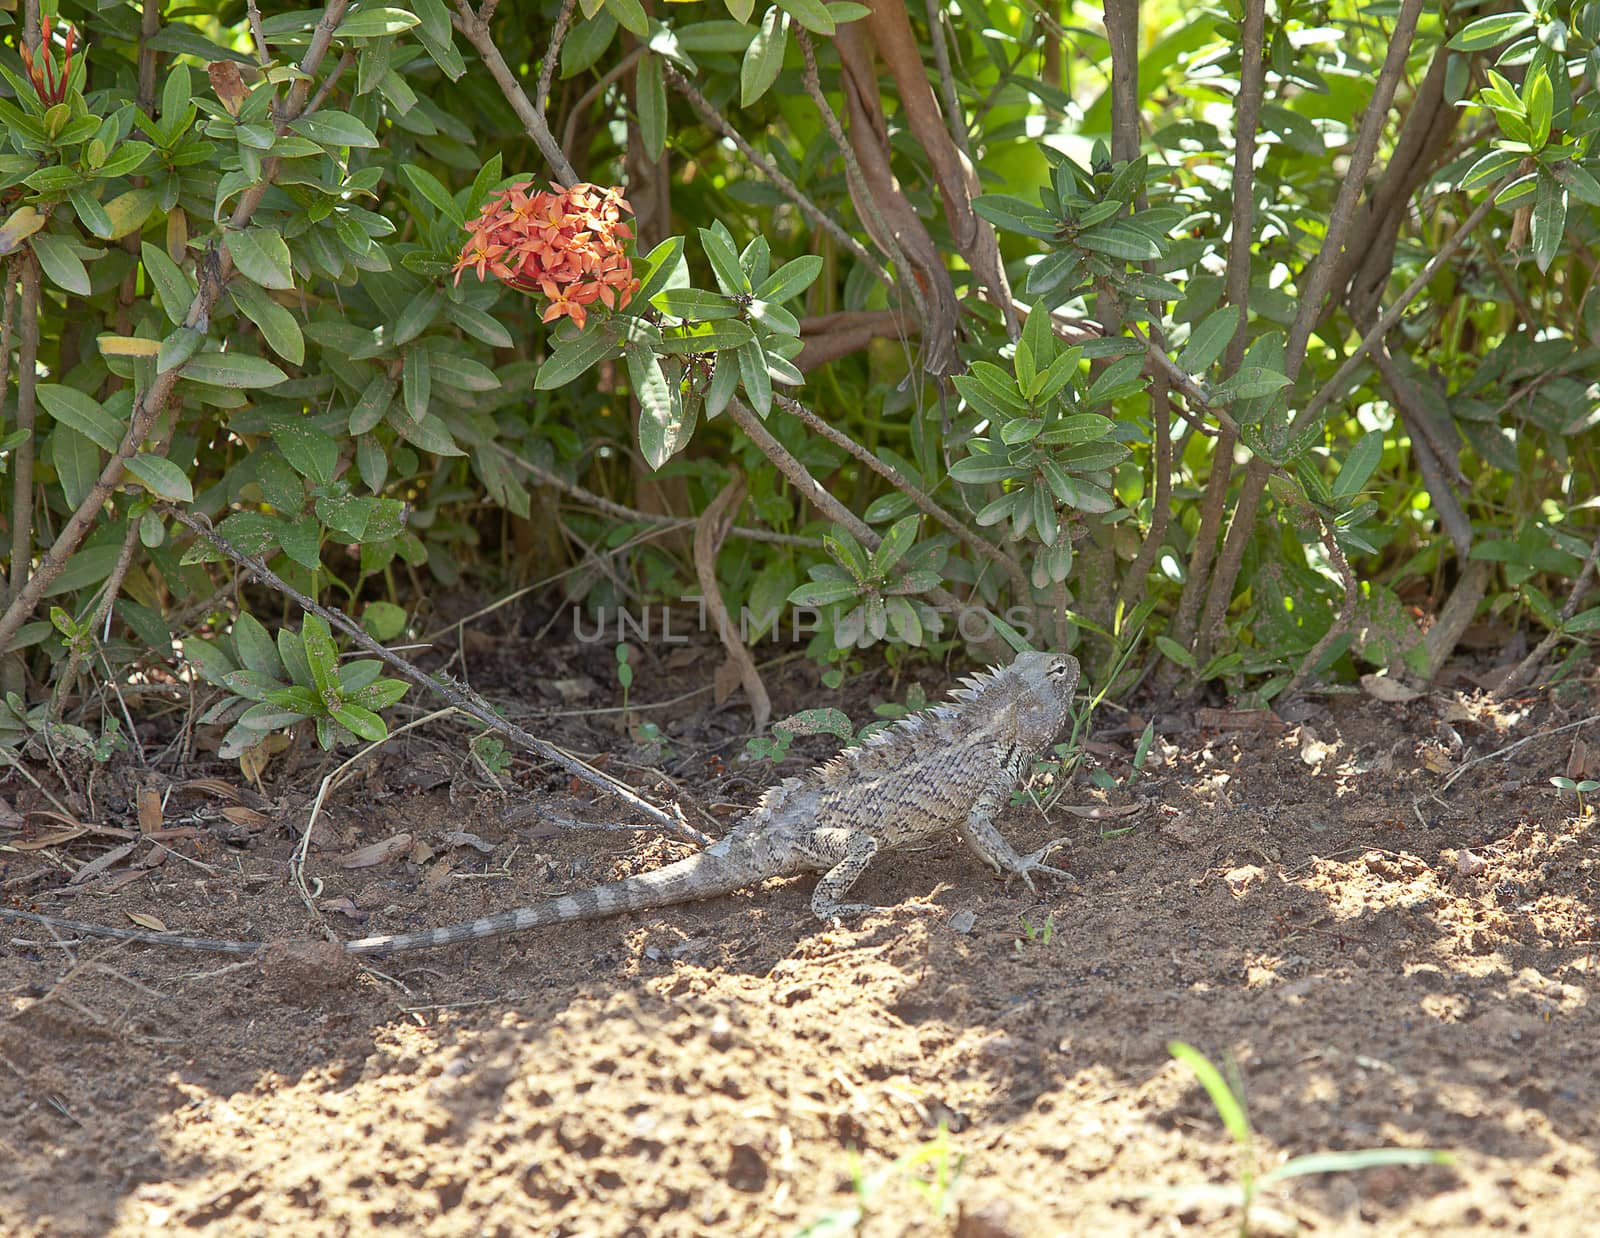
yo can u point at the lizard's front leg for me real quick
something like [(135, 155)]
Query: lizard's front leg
[(990, 846), (851, 851)]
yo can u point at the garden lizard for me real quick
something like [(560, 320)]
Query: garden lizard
[(951, 766)]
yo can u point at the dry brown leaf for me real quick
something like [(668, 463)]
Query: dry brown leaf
[(53, 839), (145, 920), (344, 905), (10, 818), (1382, 688), (238, 814), (1100, 812), (461, 838), (1437, 761), (391, 848), (724, 680), (228, 84), (214, 786), (1236, 719), (149, 810), (1577, 760), (121, 880), (102, 862)]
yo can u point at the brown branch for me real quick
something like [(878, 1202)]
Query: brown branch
[(1318, 281), (1241, 243), (814, 492), (547, 70), (475, 29), (1341, 621), (860, 191), (612, 508), (1134, 584), (569, 134), (719, 123), (214, 274), (828, 337), (709, 532), (923, 502)]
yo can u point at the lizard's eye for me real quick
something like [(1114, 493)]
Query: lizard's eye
[(1058, 668)]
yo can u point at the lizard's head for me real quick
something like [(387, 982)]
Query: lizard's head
[(1048, 682)]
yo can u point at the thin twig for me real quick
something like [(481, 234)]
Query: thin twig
[(1524, 671), (622, 512), (1334, 387), (1341, 621), (547, 70), (569, 134), (881, 231), (462, 697), (476, 31), (925, 504), (812, 211)]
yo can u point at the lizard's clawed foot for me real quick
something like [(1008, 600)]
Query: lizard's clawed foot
[(1035, 863)]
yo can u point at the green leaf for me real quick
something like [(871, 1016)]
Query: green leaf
[(255, 646), (429, 433), (384, 621), (161, 477), (91, 213), (650, 92), (312, 453), (433, 190), (170, 281), (232, 369), (664, 261), (334, 128), (417, 316), (128, 211), (478, 324), (1490, 31), (725, 265), (694, 303), (982, 469), (572, 358), (83, 413), (1177, 653), (1077, 428), (1016, 215), (630, 16), (277, 325), (753, 371), (901, 536), (322, 658), (663, 428), (1209, 340), (1548, 224), (178, 348), (1122, 377), (1583, 621), (416, 382), (1489, 169), (706, 337), (1118, 240), (1541, 105), (61, 263), (375, 23), (1359, 465), (823, 593), (261, 255), (1250, 382), (812, 14), (790, 280), (763, 58)]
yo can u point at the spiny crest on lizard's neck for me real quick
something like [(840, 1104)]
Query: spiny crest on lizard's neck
[(981, 701)]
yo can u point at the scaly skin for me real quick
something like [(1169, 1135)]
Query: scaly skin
[(949, 767)]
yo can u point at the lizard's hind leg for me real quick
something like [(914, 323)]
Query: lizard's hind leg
[(852, 851)]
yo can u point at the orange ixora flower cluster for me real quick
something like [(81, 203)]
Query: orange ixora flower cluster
[(566, 244)]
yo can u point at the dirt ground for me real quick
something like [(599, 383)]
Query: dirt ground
[(1389, 957)]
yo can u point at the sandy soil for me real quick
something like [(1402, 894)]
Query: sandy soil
[(1387, 960)]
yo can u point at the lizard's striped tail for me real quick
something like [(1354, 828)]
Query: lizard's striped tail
[(727, 867)]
